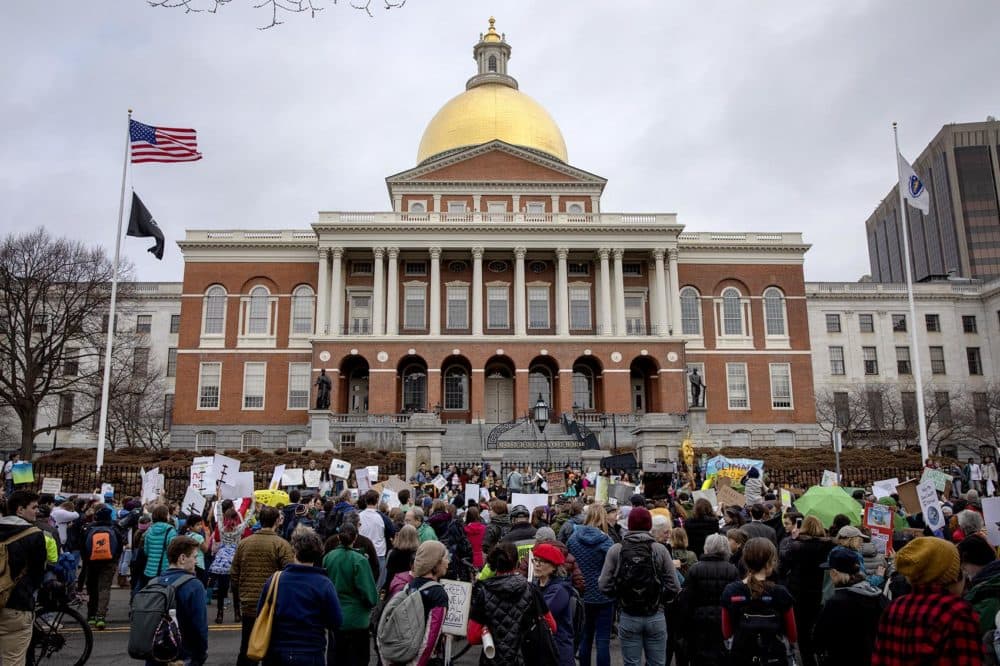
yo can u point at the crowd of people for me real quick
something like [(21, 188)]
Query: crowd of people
[(674, 580)]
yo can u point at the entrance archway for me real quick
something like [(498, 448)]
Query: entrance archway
[(353, 373), (412, 376), (498, 399), (643, 384)]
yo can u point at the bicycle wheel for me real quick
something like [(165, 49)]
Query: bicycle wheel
[(60, 636)]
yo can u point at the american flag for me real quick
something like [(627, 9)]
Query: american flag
[(162, 144)]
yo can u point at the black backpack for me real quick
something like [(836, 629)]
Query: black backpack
[(153, 635), (637, 583), (579, 617), (759, 637)]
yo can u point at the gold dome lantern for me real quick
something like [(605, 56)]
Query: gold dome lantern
[(492, 108)]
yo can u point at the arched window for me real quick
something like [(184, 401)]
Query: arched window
[(418, 207), (583, 387), (740, 438), (258, 315), (690, 311), (539, 383), (251, 439), (302, 310), (456, 388), (732, 312), (215, 310), (575, 209), (414, 389), (492, 64), (774, 311), (204, 440), (295, 440), (784, 438)]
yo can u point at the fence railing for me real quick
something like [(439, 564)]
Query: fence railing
[(852, 476)]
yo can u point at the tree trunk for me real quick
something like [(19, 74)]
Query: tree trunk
[(28, 417)]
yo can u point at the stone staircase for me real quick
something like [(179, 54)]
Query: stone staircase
[(468, 442)]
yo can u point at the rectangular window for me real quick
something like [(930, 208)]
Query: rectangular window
[(168, 411), (456, 207), (361, 315), (348, 440), (876, 409), (66, 409), (578, 268), (841, 409), (908, 399), (536, 208), (579, 308), (538, 307), (632, 268), (969, 323), (635, 315), (144, 323), (498, 208), (870, 356), (413, 315), (833, 323), (943, 402), (975, 360), (458, 307), (415, 268), (254, 377), (903, 361), (299, 375), (867, 323), (140, 361), (496, 308), (837, 361), (899, 323), (71, 362), (933, 323), (937, 361), (981, 410), (456, 388), (361, 268), (175, 323), (781, 386), (736, 385), (209, 382), (172, 362)]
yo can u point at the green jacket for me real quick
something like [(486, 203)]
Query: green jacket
[(426, 533), (352, 577), (985, 598)]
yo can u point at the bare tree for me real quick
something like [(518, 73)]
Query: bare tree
[(277, 7), (54, 296), (136, 411), (985, 422)]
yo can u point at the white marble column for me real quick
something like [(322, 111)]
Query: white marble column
[(654, 298), (378, 294), (435, 301), (620, 328), (520, 321), (662, 326), (562, 293), (392, 293), (337, 293), (606, 319), (322, 291), (675, 292), (477, 291)]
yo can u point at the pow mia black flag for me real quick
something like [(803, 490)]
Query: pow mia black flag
[(142, 225)]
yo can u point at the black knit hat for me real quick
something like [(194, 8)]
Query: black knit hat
[(974, 550)]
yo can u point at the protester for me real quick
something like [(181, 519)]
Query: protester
[(799, 568), (498, 527), (415, 517), (982, 571), (101, 550), (26, 563), (475, 532), (737, 541), (753, 487), (853, 538), (352, 577), (306, 606), (846, 625), (576, 518), (520, 529), (679, 550), (362, 544), (757, 527), (733, 519), (194, 528), (257, 557), (189, 601), (589, 545), (558, 595), (699, 526), (429, 566), (230, 526), (155, 543), (400, 559), (8, 472), (451, 533), (932, 624), (376, 526), (700, 606)]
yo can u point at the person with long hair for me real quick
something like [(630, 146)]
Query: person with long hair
[(756, 606), (590, 544), (799, 564), (230, 526), (158, 537), (475, 531), (699, 604), (355, 585), (194, 527), (700, 525), (558, 594), (400, 558), (737, 540)]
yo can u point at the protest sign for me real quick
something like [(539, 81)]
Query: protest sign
[(292, 477), (729, 497), (194, 501), (556, 482), (941, 480), (884, 488), (150, 485), (22, 472), (312, 477), (602, 489), (907, 492), (829, 479), (107, 489), (484, 494), (991, 514), (395, 483), (279, 471), (201, 475), (224, 468), (373, 473), (708, 495), (732, 468), (456, 620), (340, 468), (361, 476), (439, 482), (529, 501), (355, 494), (471, 493), (622, 492), (786, 500), (390, 497), (240, 486), (51, 486), (930, 505)]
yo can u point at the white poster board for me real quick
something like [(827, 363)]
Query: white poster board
[(991, 514), (292, 477), (241, 486), (361, 476), (530, 501), (279, 471), (456, 621), (829, 479), (150, 485), (224, 468), (884, 488), (930, 505), (708, 494), (471, 494), (51, 486), (194, 501), (440, 482), (340, 468), (312, 477), (390, 497), (201, 475), (373, 473), (107, 489)]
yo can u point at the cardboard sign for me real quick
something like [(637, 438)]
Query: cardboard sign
[(456, 621), (312, 477), (201, 475), (786, 500), (529, 501), (279, 471), (729, 497), (150, 485), (194, 502), (829, 479), (471, 493), (292, 477), (556, 482), (941, 480), (709, 495), (361, 476), (885, 488), (340, 468), (22, 472), (224, 468), (991, 514), (241, 486), (51, 486), (107, 489), (907, 492), (622, 492), (930, 505), (395, 483), (440, 482), (878, 519)]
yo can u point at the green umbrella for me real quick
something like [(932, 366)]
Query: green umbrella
[(825, 502)]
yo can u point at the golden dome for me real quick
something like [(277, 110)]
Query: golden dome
[(491, 34), (487, 112)]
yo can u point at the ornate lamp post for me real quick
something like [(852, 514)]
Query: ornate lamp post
[(540, 414)]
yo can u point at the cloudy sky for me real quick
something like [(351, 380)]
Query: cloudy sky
[(769, 116)]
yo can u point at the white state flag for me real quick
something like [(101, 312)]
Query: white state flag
[(913, 188)]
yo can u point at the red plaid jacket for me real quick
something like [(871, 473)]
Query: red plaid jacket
[(928, 627)]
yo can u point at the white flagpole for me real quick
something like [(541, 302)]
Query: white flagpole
[(102, 428), (917, 375)]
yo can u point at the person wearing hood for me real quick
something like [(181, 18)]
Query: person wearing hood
[(846, 624), (982, 570), (520, 526), (101, 550), (753, 486), (26, 562), (558, 594), (576, 517), (589, 545), (799, 568), (545, 535), (155, 543), (451, 533), (498, 527), (475, 531)]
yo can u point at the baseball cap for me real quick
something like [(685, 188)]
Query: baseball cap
[(850, 531), (843, 560)]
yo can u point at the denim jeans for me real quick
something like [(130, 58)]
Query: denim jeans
[(597, 626), (639, 633), (381, 572)]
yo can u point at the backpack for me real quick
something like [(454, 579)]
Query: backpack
[(579, 617), (153, 634), (402, 625), (8, 581), (759, 637), (637, 583), (100, 544)]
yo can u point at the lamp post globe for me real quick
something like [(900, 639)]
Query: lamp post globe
[(541, 413)]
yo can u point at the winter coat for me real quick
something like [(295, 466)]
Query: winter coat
[(873, 559), (700, 609), (496, 530), (507, 605), (566, 531), (352, 578), (451, 533), (798, 569), (397, 562), (307, 607), (520, 532), (662, 563), (558, 594), (847, 624), (757, 528), (257, 557), (573, 572), (686, 558), (589, 546), (476, 532), (983, 592), (25, 556), (426, 533), (158, 537), (698, 529)]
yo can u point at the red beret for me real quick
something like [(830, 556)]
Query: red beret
[(549, 553)]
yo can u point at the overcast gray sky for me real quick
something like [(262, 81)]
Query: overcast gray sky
[(770, 116)]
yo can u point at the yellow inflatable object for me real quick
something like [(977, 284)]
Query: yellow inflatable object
[(271, 497), (709, 482)]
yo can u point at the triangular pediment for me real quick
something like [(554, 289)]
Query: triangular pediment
[(495, 162)]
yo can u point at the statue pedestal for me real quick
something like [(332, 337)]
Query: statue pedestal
[(590, 461), (319, 425), (658, 438), (697, 422), (422, 442)]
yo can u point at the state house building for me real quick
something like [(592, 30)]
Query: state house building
[(494, 279)]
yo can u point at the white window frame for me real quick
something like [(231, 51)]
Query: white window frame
[(255, 365), (453, 208), (171, 369), (580, 288), (697, 302), (269, 337), (202, 386), (349, 327), (776, 399), (543, 289), (784, 434), (744, 338), (414, 289), (636, 325), (534, 209), (144, 320), (251, 445), (492, 289), (464, 407), (417, 207), (200, 446), (496, 210), (308, 384), (774, 340), (302, 293), (576, 207), (729, 386), (874, 359), (455, 289), (214, 339), (841, 360)]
